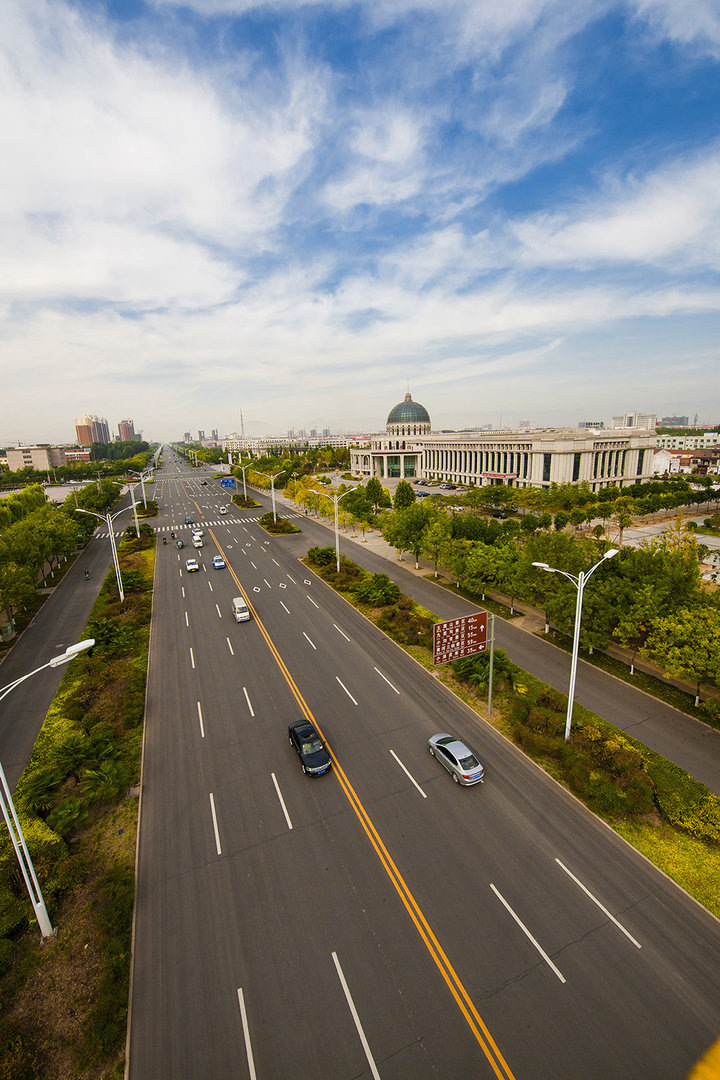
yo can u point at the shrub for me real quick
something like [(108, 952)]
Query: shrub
[(321, 556), (378, 590), (407, 627)]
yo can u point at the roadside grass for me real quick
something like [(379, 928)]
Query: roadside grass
[(63, 1002), (653, 804)]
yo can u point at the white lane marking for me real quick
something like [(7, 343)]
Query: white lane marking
[(292, 579), (183, 592), (215, 824), (248, 700), (341, 631), (282, 801), (232, 651), (387, 680), (308, 639), (356, 1018), (246, 1034), (200, 718), (276, 562), (253, 565), (267, 583), (210, 586), (192, 658), (525, 931), (287, 609), (218, 611), (187, 623), (601, 906), (312, 601), (346, 690), (410, 778)]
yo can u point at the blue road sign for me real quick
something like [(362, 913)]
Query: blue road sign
[(228, 483)]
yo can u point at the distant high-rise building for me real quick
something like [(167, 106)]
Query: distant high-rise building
[(313, 433), (675, 421), (214, 434), (201, 436), (126, 431), (326, 432), (187, 437), (635, 420), (91, 429)]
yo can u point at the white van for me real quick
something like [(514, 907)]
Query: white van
[(240, 610)]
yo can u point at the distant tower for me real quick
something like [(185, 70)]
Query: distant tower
[(242, 425)]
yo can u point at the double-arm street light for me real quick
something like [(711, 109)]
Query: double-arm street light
[(242, 469), (108, 519), (335, 500), (272, 486), (142, 477), (8, 806), (579, 582)]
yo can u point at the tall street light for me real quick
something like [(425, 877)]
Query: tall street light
[(335, 500), (108, 519), (579, 582), (8, 806), (242, 469), (272, 486), (142, 477)]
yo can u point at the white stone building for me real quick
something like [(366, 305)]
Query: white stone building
[(536, 458)]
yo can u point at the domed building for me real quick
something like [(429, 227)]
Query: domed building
[(408, 418), (523, 458)]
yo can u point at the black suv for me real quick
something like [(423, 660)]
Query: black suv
[(314, 758)]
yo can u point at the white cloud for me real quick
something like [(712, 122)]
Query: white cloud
[(670, 217)]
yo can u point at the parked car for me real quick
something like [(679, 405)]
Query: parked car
[(457, 758), (191, 564), (218, 562), (313, 754)]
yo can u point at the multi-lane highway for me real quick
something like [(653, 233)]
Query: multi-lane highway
[(378, 920)]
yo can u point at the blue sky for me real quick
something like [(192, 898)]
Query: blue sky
[(297, 210)]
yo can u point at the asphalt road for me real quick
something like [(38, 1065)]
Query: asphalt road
[(379, 920), (60, 622), (678, 737)]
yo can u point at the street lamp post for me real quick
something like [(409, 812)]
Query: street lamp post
[(141, 477), (272, 486), (134, 505), (8, 806), (335, 500), (242, 469), (579, 582), (108, 519)]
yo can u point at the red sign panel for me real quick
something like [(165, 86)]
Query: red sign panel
[(460, 637)]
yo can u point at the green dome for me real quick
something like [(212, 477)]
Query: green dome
[(409, 412)]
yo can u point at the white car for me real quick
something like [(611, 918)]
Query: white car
[(218, 562), (191, 564), (197, 542), (222, 510)]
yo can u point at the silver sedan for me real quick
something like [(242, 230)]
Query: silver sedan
[(457, 758)]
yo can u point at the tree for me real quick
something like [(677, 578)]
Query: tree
[(436, 541), (405, 529), (686, 644), (634, 626), (374, 492), (404, 495)]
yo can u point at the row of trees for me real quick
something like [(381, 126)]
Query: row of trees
[(293, 461), (111, 459), (37, 539), (651, 599)]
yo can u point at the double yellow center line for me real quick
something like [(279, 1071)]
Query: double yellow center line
[(475, 1022)]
